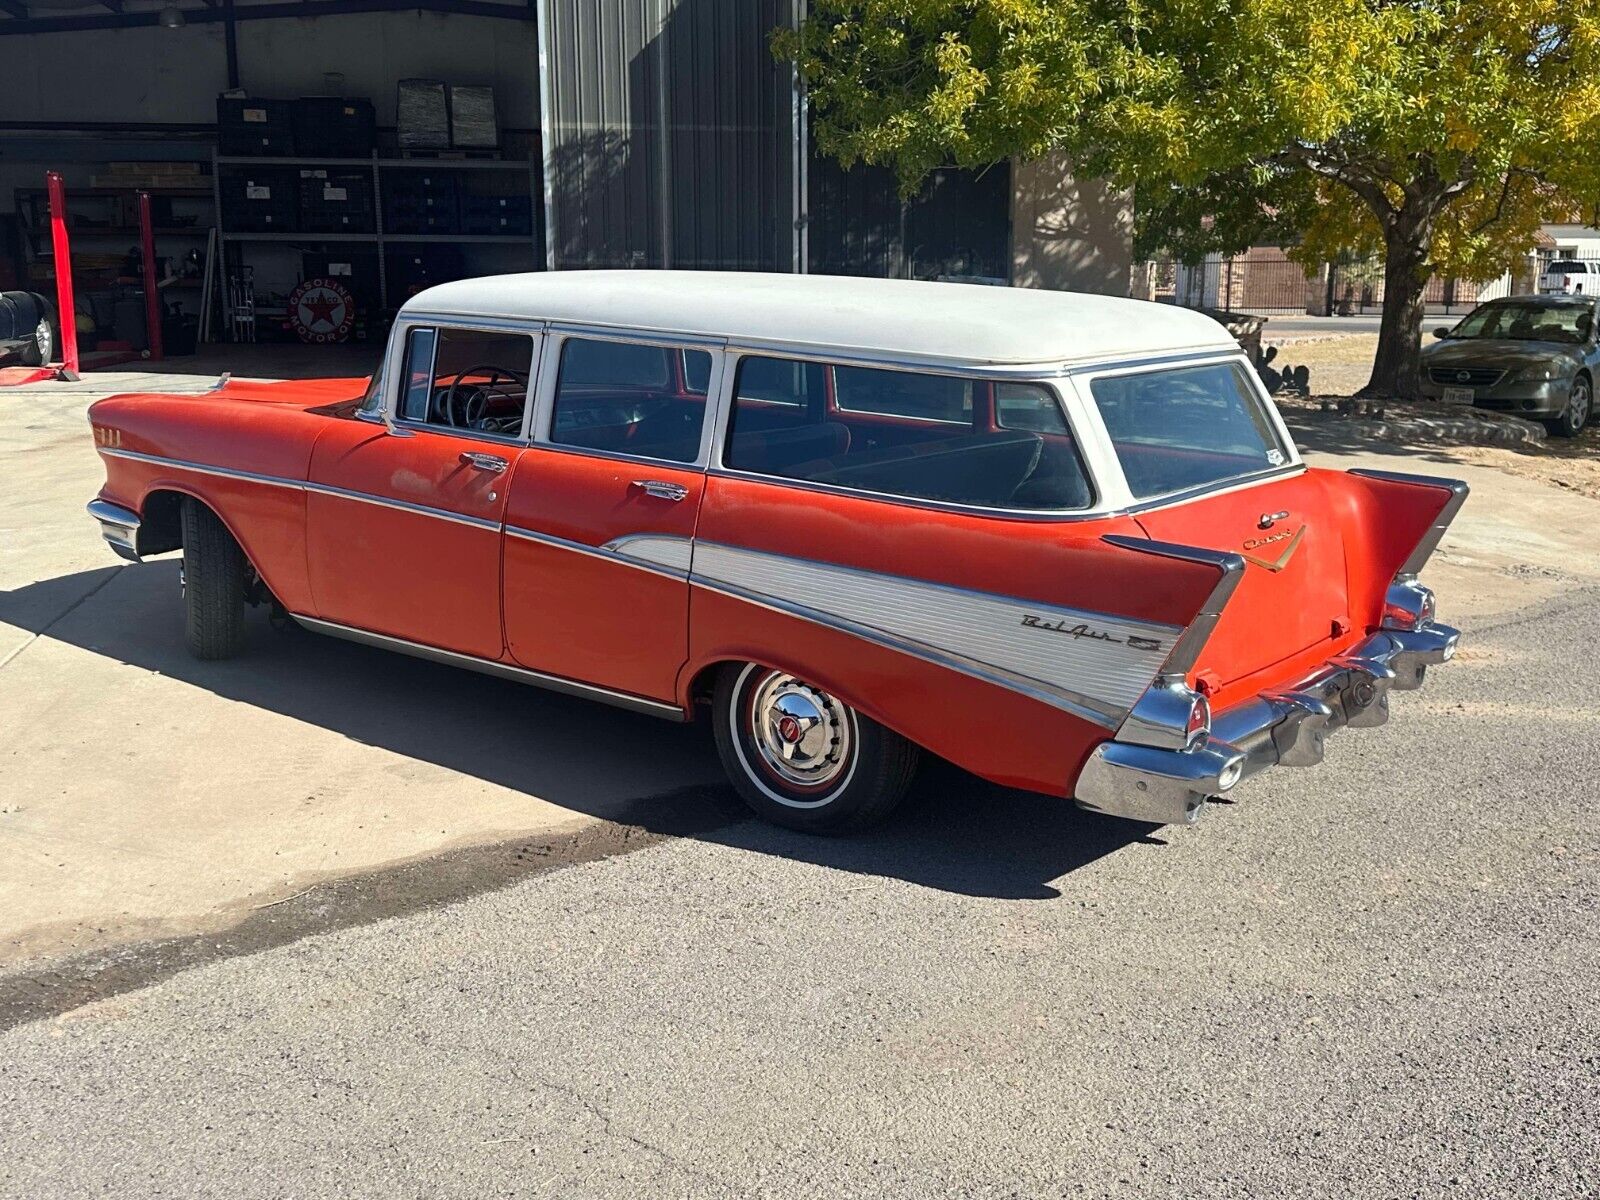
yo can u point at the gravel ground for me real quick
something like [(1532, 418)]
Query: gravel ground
[(1376, 978), (1341, 365)]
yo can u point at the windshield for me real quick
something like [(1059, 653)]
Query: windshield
[(1525, 322), (1187, 427)]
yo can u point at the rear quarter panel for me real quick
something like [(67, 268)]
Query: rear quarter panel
[(993, 730)]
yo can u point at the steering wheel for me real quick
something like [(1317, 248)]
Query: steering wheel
[(464, 408)]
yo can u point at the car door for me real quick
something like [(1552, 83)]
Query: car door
[(602, 510), (403, 521)]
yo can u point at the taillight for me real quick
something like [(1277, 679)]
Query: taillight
[(1199, 725), (1408, 606)]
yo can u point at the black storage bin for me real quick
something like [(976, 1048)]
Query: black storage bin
[(420, 267), (502, 215), (260, 201), (336, 201), (421, 202), (355, 269), (333, 127), (263, 128)]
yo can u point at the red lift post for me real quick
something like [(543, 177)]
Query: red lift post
[(66, 303), (66, 306)]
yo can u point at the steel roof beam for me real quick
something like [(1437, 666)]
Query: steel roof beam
[(22, 23)]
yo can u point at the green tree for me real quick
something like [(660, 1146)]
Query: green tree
[(1437, 132)]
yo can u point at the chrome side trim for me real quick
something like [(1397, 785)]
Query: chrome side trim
[(203, 468), (554, 683), (420, 510), (1430, 541), (119, 526), (610, 552), (301, 485), (659, 549), (1071, 702), (1093, 664)]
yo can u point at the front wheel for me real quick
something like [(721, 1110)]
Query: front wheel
[(1580, 404), (216, 575), (802, 758)]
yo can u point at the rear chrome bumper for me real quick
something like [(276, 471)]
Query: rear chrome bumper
[(1288, 727), (119, 526)]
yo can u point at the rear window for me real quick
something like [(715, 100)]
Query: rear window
[(1187, 427), (905, 433)]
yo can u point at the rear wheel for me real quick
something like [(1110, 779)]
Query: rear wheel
[(39, 348), (215, 578), (1580, 405), (802, 758)]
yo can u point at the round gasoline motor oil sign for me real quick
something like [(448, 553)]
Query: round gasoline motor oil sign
[(321, 310)]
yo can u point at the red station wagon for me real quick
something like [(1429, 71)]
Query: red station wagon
[(1063, 541)]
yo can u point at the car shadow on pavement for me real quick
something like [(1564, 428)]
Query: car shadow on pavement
[(955, 832)]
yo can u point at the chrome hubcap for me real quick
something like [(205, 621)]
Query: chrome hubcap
[(801, 732), (1578, 406), (41, 337)]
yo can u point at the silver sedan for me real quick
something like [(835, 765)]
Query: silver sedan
[(1535, 356)]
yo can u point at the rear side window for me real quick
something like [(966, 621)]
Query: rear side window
[(624, 398), (1187, 427), (903, 433)]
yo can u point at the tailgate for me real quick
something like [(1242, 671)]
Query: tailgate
[(1295, 592)]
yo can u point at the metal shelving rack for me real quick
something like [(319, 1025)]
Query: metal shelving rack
[(378, 165)]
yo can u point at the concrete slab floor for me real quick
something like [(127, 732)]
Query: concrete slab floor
[(145, 794)]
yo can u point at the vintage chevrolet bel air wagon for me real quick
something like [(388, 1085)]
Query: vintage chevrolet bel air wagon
[(1063, 541)]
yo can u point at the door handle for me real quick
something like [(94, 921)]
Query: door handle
[(661, 489), (492, 463)]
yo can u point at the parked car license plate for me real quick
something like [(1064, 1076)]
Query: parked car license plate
[(1457, 395)]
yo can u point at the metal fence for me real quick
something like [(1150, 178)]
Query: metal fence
[(1268, 283)]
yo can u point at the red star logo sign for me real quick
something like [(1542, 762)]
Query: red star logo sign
[(320, 307)]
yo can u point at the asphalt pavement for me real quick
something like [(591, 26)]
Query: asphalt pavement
[(1375, 978)]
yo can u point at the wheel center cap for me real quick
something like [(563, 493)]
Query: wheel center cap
[(789, 729)]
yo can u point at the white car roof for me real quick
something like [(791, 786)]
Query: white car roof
[(882, 318)]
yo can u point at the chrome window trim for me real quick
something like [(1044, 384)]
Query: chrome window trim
[(1104, 450), (718, 459), (402, 336), (544, 408), (489, 666)]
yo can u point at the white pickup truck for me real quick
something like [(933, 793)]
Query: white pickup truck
[(1570, 277)]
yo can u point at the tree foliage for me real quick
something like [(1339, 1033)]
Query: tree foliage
[(1439, 132)]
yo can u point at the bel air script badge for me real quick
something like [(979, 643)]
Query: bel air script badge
[(1084, 630)]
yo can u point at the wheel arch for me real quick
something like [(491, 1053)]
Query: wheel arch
[(161, 513)]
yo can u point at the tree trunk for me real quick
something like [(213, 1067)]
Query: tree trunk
[(1408, 241)]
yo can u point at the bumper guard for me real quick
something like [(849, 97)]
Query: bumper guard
[(1288, 728)]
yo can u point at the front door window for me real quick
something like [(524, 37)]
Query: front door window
[(469, 380)]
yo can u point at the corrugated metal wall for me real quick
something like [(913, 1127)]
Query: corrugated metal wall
[(958, 224), (668, 134)]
